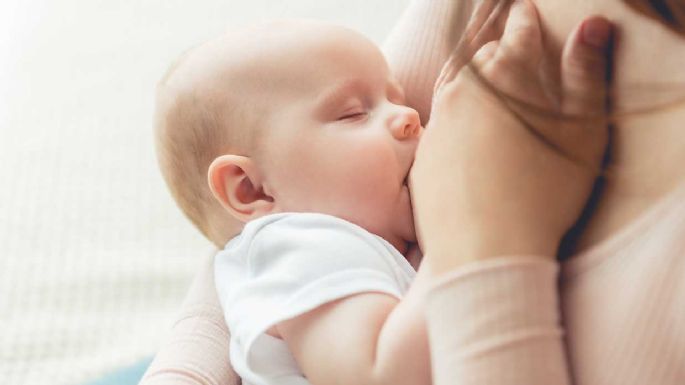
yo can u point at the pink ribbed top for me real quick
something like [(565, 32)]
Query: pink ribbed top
[(623, 305)]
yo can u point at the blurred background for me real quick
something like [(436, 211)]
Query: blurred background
[(95, 258)]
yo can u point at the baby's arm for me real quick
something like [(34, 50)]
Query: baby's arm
[(368, 338)]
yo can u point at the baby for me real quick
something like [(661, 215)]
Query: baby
[(290, 143)]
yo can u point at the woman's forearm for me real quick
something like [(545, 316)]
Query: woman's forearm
[(497, 322), (196, 352)]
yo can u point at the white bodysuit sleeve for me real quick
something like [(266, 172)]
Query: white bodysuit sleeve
[(284, 265)]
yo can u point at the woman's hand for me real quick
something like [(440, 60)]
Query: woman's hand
[(508, 172)]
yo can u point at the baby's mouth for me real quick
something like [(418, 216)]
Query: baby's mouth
[(405, 182)]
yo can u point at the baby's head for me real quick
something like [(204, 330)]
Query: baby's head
[(287, 116)]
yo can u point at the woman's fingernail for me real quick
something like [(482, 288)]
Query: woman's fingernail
[(596, 32)]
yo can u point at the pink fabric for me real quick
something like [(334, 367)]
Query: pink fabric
[(417, 48), (623, 302), (623, 306), (499, 321)]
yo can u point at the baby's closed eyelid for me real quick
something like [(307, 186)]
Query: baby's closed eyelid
[(356, 108), (352, 115)]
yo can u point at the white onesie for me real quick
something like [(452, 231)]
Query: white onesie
[(283, 265)]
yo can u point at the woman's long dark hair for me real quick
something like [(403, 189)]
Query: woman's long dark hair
[(669, 12)]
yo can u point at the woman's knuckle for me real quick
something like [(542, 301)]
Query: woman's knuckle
[(586, 65)]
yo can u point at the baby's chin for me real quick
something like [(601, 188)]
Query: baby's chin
[(408, 231), (409, 239)]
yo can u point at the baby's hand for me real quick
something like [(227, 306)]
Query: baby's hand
[(511, 152)]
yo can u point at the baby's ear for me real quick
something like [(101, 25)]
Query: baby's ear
[(237, 184)]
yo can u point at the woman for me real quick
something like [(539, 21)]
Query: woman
[(621, 291), (621, 307)]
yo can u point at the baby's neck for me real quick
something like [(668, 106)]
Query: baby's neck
[(413, 255)]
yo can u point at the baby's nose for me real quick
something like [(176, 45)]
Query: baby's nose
[(406, 124)]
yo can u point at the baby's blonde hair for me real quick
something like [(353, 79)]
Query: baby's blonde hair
[(193, 126)]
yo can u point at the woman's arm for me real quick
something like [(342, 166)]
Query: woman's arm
[(196, 351)]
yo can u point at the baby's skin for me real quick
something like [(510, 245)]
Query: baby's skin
[(315, 123), (338, 137)]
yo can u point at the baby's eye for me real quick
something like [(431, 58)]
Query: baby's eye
[(352, 116)]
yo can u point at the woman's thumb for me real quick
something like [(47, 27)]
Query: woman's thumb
[(586, 66)]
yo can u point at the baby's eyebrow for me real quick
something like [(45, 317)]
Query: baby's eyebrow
[(398, 89), (340, 90)]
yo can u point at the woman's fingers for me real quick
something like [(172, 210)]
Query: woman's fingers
[(585, 66), (522, 39), (485, 54), (518, 29), (512, 63)]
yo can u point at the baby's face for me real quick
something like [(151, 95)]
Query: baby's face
[(341, 140)]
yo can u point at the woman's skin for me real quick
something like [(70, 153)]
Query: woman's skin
[(647, 149), (636, 177), (511, 193)]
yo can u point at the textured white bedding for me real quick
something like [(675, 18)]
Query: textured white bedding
[(94, 256)]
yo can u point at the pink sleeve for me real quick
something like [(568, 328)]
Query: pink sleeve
[(497, 322), (418, 46), (196, 352)]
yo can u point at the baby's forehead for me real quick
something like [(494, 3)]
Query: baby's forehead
[(305, 44), (297, 55), (280, 58), (282, 44)]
